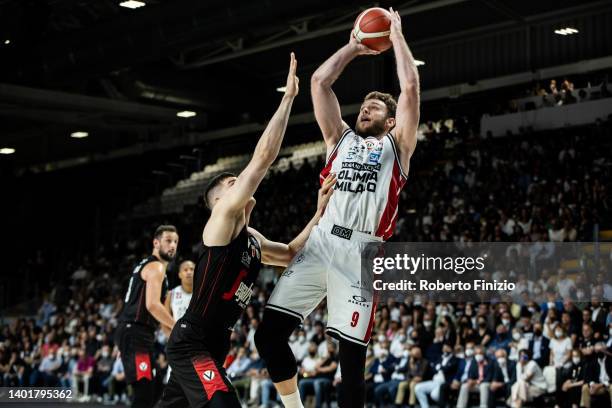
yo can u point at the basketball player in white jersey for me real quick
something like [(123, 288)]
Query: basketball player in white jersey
[(371, 163), (178, 298)]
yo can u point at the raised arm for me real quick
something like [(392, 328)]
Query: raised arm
[(326, 106), (407, 115), (220, 226), (279, 254), (266, 150)]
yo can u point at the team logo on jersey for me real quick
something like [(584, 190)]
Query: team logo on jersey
[(342, 232), (243, 294), (300, 258), (287, 273), (143, 366), (208, 375), (356, 152), (246, 258)]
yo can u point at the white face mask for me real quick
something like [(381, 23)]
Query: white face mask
[(558, 333), (505, 322), (302, 339), (381, 338), (501, 361), (292, 338), (427, 323), (479, 357), (576, 360), (469, 352), (516, 336)]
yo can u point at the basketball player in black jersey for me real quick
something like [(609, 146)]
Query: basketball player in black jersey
[(226, 271), (142, 311)]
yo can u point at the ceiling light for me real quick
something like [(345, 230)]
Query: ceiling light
[(566, 31), (7, 42), (79, 135), (132, 4), (186, 114), (281, 89), (7, 150), (418, 63)]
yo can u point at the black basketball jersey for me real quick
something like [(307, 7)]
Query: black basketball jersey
[(135, 308), (223, 284)]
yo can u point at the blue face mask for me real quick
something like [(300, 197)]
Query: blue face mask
[(525, 357)]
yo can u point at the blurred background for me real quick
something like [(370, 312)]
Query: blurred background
[(115, 114)]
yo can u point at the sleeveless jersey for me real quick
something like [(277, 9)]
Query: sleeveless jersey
[(369, 180), (179, 301), (135, 308), (222, 287)]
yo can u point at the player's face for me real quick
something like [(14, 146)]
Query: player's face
[(372, 119), (167, 245), (186, 272)]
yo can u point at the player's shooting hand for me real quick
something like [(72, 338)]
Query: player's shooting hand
[(325, 192), (358, 48), (396, 26), (293, 81)]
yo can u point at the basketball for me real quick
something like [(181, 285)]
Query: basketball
[(372, 29)]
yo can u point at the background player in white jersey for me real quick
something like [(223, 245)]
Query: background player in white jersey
[(371, 164), (178, 298)]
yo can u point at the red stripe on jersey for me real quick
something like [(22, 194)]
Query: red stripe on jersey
[(372, 314), (205, 272), (209, 376), (327, 169), (212, 292), (143, 366), (389, 216)]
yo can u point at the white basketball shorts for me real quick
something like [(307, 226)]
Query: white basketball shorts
[(329, 265)]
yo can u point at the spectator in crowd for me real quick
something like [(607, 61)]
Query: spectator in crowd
[(479, 379), (323, 376), (502, 376), (466, 360), (571, 380), (560, 348), (414, 374), (598, 378), (82, 374), (530, 382), (444, 369)]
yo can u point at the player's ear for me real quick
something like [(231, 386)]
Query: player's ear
[(391, 122)]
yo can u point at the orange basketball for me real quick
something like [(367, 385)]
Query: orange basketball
[(372, 29)]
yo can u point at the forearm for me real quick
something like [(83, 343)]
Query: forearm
[(300, 240), (160, 313), (407, 71), (270, 142), (331, 69)]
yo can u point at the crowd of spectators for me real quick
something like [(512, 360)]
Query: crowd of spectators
[(553, 186)]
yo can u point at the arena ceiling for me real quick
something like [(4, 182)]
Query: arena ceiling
[(122, 74)]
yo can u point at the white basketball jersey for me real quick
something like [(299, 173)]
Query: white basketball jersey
[(179, 301), (369, 181)]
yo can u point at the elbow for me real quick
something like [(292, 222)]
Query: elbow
[(411, 87), (318, 81)]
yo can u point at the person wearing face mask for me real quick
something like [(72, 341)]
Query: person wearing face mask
[(416, 370), (572, 380), (388, 389), (299, 345), (434, 350), (104, 365), (530, 382), (560, 348), (382, 368), (517, 343), (478, 381), (466, 359), (598, 377), (502, 337), (539, 346), (444, 370), (502, 376)]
